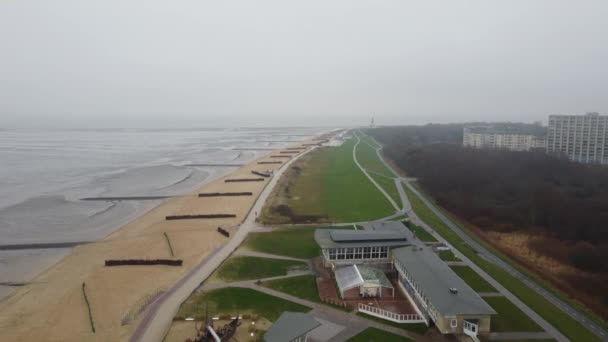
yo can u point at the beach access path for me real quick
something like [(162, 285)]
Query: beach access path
[(158, 316)]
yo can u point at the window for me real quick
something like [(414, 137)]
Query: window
[(453, 323)]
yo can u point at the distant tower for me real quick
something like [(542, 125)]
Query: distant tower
[(372, 124)]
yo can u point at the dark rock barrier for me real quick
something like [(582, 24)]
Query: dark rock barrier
[(190, 217), (145, 262), (270, 162), (243, 180), (263, 174), (221, 194)]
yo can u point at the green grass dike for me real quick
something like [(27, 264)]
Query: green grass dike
[(233, 300), (510, 317), (250, 268), (304, 287), (295, 242), (325, 186), (474, 280)]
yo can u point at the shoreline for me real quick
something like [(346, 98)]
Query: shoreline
[(37, 268), (56, 311)]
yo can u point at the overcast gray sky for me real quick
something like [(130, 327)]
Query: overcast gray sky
[(179, 63)]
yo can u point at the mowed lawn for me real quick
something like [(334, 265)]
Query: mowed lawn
[(304, 287), (248, 268), (559, 319), (233, 300), (388, 185), (510, 317), (474, 280), (420, 232), (377, 335), (292, 242), (332, 186), (368, 158), (295, 242)]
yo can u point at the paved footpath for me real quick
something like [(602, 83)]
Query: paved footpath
[(158, 316)]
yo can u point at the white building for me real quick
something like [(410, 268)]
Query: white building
[(489, 137), (583, 138)]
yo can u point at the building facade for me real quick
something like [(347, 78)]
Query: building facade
[(347, 247), (489, 137), (582, 138), (440, 294)]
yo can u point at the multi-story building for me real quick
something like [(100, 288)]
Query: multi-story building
[(582, 138), (493, 137)]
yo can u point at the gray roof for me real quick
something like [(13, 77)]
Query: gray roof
[(289, 326), (435, 278), (392, 234)]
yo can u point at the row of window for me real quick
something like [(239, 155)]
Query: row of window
[(412, 284), (358, 253)]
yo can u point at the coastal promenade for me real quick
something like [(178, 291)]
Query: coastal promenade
[(52, 306), (157, 318)]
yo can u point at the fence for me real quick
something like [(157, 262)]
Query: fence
[(391, 316), (139, 306)]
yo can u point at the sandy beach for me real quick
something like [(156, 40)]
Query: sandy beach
[(53, 307)]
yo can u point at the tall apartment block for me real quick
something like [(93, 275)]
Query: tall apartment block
[(583, 138), (501, 138)]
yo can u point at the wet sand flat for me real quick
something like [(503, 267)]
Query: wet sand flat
[(53, 307)]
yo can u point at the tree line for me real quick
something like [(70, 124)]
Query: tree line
[(508, 191)]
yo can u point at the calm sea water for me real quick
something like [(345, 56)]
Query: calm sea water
[(44, 173)]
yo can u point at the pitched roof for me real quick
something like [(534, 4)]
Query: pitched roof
[(289, 326), (435, 279)]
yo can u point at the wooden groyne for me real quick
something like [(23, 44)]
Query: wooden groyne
[(280, 156), (50, 245), (296, 148), (234, 180), (126, 198), (270, 162), (144, 262), (223, 231), (289, 152), (196, 217), (217, 165), (221, 194), (254, 149), (263, 174), (318, 144)]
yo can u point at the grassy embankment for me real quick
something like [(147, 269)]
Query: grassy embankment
[(326, 186), (474, 280), (297, 242), (377, 335), (367, 157), (560, 320), (249, 268), (419, 232), (232, 300), (510, 317), (304, 287)]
